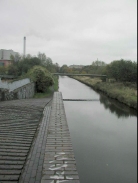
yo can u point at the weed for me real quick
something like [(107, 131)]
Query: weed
[(124, 92)]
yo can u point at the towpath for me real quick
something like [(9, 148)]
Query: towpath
[(35, 143)]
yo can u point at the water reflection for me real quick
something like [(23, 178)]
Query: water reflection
[(13, 85), (120, 110), (73, 89)]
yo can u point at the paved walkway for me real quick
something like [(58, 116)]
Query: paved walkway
[(59, 163), (35, 149)]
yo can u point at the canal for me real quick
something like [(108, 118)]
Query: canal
[(103, 133)]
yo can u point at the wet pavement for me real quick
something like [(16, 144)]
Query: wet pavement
[(59, 162), (35, 143)]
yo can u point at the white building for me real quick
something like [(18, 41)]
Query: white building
[(6, 54), (76, 66)]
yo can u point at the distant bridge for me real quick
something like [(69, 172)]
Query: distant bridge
[(71, 74), (92, 75)]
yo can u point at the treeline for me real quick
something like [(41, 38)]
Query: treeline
[(20, 66), (38, 69), (120, 70)]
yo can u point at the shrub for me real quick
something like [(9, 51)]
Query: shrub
[(42, 78), (123, 70)]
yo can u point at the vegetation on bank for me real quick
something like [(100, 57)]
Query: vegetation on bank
[(38, 69), (21, 66), (41, 77), (49, 91), (120, 70), (121, 79), (122, 75), (125, 93)]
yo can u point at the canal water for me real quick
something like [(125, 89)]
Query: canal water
[(103, 133)]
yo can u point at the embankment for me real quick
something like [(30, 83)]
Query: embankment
[(26, 91), (124, 93)]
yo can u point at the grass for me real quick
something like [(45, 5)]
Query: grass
[(48, 93), (56, 83), (50, 90), (124, 93)]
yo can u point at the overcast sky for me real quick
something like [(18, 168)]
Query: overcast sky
[(71, 31)]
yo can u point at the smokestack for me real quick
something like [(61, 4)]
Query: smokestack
[(24, 51)]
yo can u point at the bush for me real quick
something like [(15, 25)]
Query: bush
[(123, 70), (41, 77), (3, 70)]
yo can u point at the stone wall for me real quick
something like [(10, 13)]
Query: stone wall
[(26, 91)]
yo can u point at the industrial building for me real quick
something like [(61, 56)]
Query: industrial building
[(5, 57)]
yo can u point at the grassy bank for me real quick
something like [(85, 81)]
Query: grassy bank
[(49, 91), (125, 93)]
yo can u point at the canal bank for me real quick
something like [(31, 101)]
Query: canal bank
[(19, 89), (118, 91)]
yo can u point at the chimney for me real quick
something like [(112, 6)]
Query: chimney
[(24, 51)]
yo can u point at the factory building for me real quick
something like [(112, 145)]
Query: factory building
[(5, 57)]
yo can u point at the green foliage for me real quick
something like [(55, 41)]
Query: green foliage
[(3, 70), (49, 91), (48, 64), (42, 56), (97, 67), (119, 70), (56, 83), (22, 66), (64, 69), (15, 58), (98, 63), (123, 70), (119, 91), (41, 77), (13, 70), (43, 95)]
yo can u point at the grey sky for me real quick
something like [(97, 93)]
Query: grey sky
[(71, 31)]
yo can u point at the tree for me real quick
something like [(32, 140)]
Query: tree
[(57, 67), (48, 64), (28, 56), (3, 70), (23, 66), (41, 56), (15, 58), (41, 77), (98, 63), (64, 69), (28, 62), (13, 70), (123, 70)]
